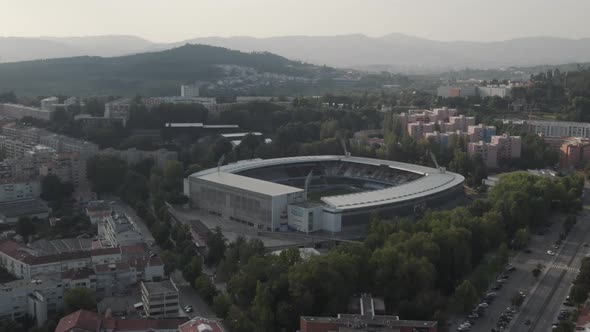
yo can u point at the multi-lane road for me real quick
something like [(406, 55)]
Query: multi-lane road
[(544, 295), (547, 297)]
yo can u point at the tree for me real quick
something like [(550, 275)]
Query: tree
[(25, 228), (106, 173), (173, 175), (222, 146), (216, 245), (466, 295), (261, 310), (53, 189), (221, 304), (79, 298), (192, 270), (251, 142), (205, 288), (522, 238)]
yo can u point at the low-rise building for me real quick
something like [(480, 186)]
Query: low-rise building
[(10, 212), (15, 190), (87, 321), (160, 299), (98, 211), (199, 324), (365, 321)]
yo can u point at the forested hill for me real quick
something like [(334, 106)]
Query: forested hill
[(156, 73)]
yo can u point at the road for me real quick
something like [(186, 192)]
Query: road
[(546, 299), (519, 280)]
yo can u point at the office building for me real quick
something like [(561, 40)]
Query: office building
[(160, 299)]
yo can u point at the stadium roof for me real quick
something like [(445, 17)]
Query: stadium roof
[(249, 184), (433, 181)]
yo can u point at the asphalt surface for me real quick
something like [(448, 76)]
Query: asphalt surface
[(546, 299), (520, 280)]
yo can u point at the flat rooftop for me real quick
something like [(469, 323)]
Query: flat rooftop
[(232, 135), (165, 286), (249, 184)]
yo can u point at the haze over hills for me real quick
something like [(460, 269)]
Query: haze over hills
[(152, 73), (395, 52)]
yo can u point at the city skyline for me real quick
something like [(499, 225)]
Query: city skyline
[(177, 20)]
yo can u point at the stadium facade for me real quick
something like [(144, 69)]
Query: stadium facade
[(342, 191)]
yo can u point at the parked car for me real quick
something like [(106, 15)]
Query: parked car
[(550, 253)]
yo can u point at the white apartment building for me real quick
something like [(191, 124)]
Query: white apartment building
[(18, 112), (13, 148), (189, 90), (49, 104), (160, 299), (118, 110), (14, 190), (119, 230)]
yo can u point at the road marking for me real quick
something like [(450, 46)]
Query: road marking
[(565, 267)]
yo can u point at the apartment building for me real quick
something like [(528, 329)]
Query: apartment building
[(67, 144), (160, 299), (119, 230), (133, 155), (462, 122), (68, 167), (574, 152), (417, 130), (34, 298), (18, 112), (13, 148), (118, 110), (189, 90), (509, 147), (481, 132), (488, 152)]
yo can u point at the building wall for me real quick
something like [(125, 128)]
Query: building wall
[(14, 191)]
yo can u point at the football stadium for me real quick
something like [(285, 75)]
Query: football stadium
[(318, 193)]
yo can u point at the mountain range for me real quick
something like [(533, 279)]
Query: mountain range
[(394, 52)]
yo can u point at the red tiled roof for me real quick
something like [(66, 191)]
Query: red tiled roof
[(105, 251), (120, 266), (76, 274), (81, 320), (134, 249), (141, 325), (193, 325), (15, 250)]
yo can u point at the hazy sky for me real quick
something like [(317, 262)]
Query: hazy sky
[(174, 20)]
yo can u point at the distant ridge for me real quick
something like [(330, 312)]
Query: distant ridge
[(152, 73), (396, 52)]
